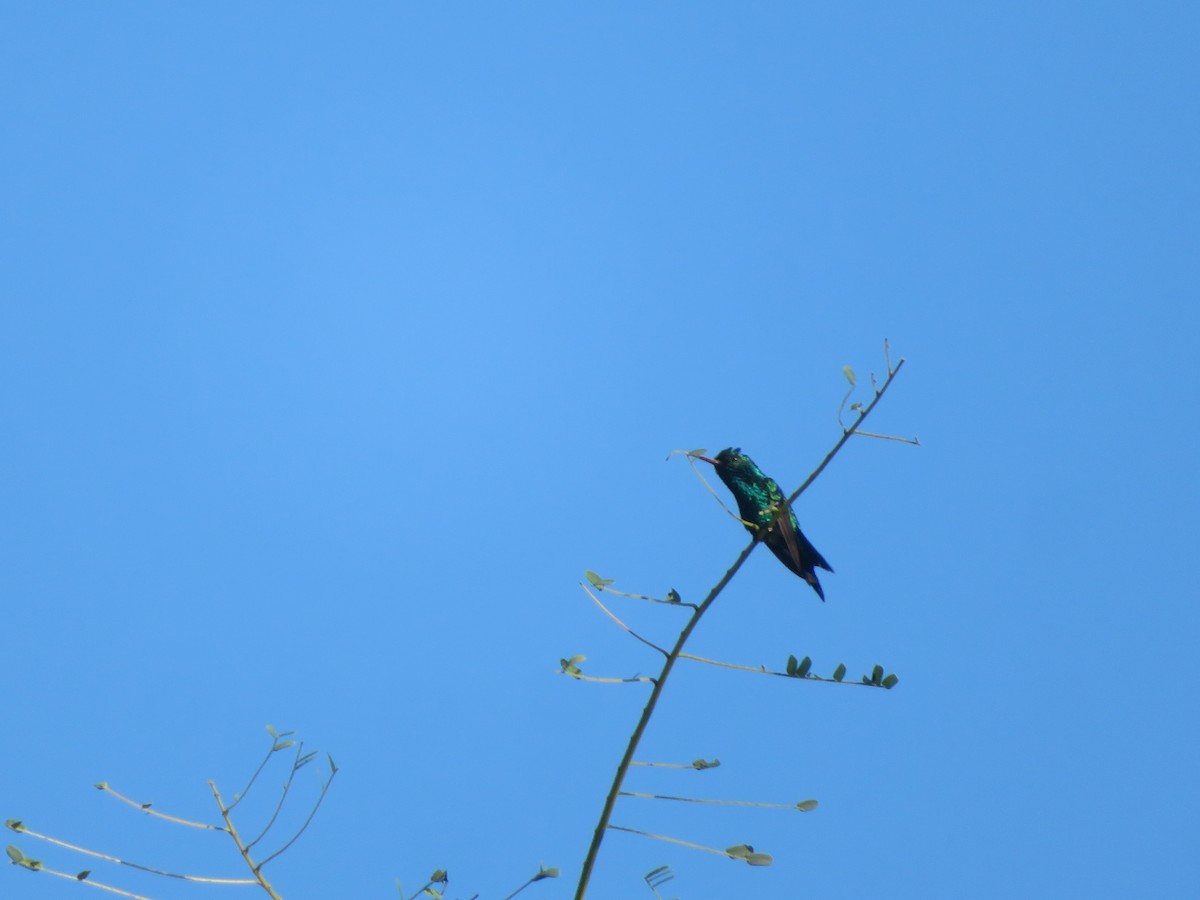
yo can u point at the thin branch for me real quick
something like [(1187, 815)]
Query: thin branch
[(522, 887), (656, 878), (623, 767), (237, 840), (96, 884), (637, 679), (262, 765), (132, 865), (627, 629), (145, 807), (763, 670), (691, 765), (287, 785), (612, 590), (889, 437), (663, 837), (634, 739), (419, 892), (853, 429), (708, 487), (797, 806), (316, 806), (842, 405)]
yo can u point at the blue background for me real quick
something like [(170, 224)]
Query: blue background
[(339, 340)]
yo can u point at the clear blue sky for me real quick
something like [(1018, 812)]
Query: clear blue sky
[(339, 341)]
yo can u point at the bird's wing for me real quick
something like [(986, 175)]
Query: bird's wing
[(789, 538)]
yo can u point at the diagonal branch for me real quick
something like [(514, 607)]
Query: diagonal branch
[(659, 683), (255, 868)]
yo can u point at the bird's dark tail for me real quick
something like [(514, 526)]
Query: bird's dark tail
[(811, 577)]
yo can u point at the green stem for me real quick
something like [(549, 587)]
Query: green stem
[(659, 683)]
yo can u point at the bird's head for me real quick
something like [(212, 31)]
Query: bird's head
[(731, 461)]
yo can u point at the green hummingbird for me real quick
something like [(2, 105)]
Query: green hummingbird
[(758, 497)]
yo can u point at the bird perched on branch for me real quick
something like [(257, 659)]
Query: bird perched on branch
[(759, 500)]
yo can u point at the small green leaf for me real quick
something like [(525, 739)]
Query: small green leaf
[(705, 764), (101, 786), (271, 731), (440, 875), (806, 805), (792, 665), (82, 876), (673, 596), (802, 669), (14, 854), (283, 745), (891, 681), (570, 666), (14, 824), (739, 851), (596, 580), (849, 373), (147, 805), (759, 859), (840, 672), (543, 872), (877, 675)]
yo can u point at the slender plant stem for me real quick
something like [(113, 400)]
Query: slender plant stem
[(145, 807), (670, 840), (614, 791), (287, 786), (307, 822), (645, 796), (608, 612), (255, 869), (124, 862), (90, 882)]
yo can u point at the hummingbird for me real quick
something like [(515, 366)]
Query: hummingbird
[(757, 497)]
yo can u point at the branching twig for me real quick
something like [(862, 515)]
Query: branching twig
[(283, 794), (146, 808), (627, 629), (255, 869), (602, 584), (275, 746), (295, 837), (96, 854), (763, 670), (648, 711)]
